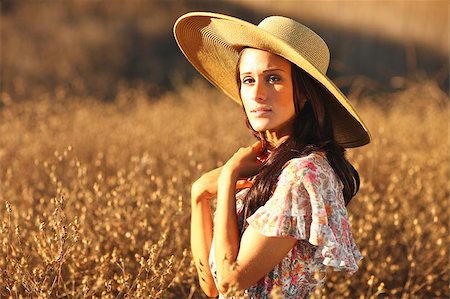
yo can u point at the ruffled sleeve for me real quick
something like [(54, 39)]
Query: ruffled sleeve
[(308, 204)]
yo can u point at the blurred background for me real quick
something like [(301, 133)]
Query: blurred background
[(104, 126), (93, 47)]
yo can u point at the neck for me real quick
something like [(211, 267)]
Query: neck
[(276, 136), (275, 139)]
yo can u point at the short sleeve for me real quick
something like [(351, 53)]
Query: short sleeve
[(308, 204), (285, 212)]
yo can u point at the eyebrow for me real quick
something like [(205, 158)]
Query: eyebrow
[(265, 71)]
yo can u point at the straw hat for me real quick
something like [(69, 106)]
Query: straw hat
[(212, 42)]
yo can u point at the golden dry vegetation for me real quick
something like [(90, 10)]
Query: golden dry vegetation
[(95, 196)]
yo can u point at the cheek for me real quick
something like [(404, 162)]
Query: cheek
[(246, 107), (287, 101), (245, 101), (292, 109)]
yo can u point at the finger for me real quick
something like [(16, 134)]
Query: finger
[(257, 146), (241, 184), (260, 160)]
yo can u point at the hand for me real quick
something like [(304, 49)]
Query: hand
[(244, 163), (206, 186)]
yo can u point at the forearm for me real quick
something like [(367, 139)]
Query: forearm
[(201, 239), (226, 231)]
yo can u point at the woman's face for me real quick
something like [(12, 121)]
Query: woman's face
[(266, 91)]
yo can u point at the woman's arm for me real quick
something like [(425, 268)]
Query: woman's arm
[(242, 264), (201, 239), (227, 234), (202, 225)]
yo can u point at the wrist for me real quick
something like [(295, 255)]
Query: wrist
[(229, 173)]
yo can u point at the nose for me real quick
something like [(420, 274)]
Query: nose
[(259, 91)]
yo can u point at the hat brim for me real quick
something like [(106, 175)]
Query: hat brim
[(212, 42)]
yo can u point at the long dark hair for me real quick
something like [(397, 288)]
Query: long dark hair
[(312, 131)]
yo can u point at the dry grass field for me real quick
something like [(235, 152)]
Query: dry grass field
[(94, 195)]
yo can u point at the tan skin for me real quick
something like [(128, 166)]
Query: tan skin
[(267, 96)]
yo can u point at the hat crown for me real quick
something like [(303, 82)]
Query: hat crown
[(301, 38)]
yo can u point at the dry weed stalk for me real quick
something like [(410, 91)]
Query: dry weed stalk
[(94, 196)]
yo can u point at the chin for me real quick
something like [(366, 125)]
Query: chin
[(260, 126), (263, 125)]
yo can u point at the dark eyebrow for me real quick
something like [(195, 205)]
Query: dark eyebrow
[(266, 71)]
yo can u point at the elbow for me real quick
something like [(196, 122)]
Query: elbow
[(223, 288), (212, 294), (209, 288), (210, 291)]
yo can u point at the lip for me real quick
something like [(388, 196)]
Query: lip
[(260, 111)]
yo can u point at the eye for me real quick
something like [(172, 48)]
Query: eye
[(273, 78), (247, 80)]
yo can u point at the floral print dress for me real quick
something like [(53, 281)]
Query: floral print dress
[(308, 205)]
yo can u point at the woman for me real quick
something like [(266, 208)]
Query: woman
[(280, 219)]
